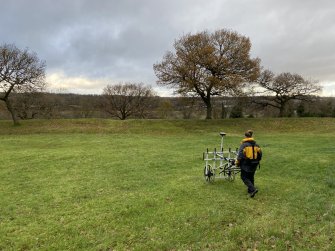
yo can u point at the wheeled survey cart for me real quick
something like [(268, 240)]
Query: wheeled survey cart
[(220, 164)]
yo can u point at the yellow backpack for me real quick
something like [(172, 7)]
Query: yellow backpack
[(252, 153)]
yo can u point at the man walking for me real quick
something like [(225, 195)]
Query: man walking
[(248, 159)]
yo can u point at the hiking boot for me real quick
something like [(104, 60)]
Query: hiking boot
[(252, 195)]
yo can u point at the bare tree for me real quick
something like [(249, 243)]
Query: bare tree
[(280, 89), (208, 64), (129, 99), (31, 105), (20, 71)]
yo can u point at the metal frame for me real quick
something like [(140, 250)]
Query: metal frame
[(220, 164)]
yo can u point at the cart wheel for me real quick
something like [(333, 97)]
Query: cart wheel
[(208, 173), (228, 172), (236, 170), (232, 175)]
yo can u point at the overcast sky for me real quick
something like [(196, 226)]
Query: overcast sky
[(88, 44)]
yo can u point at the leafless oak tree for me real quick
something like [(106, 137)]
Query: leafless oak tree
[(128, 99), (208, 64), (280, 89), (20, 71)]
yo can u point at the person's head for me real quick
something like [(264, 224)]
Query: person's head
[(248, 133)]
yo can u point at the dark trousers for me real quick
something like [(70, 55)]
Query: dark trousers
[(248, 180)]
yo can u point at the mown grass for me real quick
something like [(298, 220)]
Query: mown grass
[(138, 185)]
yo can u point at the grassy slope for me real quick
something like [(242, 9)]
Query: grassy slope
[(102, 184)]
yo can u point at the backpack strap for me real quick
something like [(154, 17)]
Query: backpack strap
[(253, 151)]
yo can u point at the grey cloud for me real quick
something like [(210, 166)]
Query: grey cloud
[(123, 39)]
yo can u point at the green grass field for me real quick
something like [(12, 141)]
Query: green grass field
[(138, 185)]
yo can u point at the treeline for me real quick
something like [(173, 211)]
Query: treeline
[(212, 72), (55, 106)]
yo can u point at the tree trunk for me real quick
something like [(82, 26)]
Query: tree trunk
[(123, 115), (209, 110), (282, 110), (223, 111), (12, 112)]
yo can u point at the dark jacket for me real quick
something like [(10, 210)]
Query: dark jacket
[(249, 155)]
